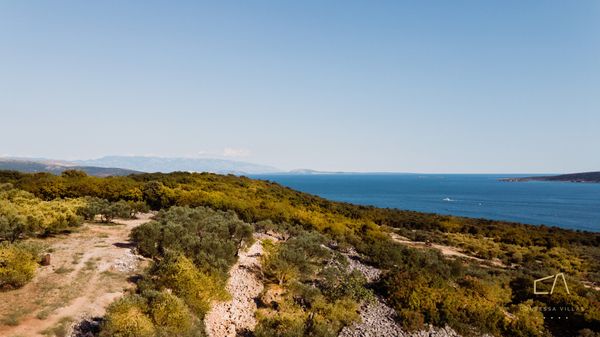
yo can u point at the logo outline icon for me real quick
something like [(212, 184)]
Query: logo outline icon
[(555, 276)]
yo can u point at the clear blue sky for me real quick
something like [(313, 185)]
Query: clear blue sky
[(409, 86)]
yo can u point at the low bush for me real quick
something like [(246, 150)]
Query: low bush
[(17, 265), (127, 317), (210, 238), (22, 214), (177, 273), (170, 315), (313, 292), (108, 211), (192, 250)]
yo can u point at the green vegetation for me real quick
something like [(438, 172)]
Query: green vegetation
[(156, 314), (308, 289), (24, 215), (127, 317), (61, 329), (210, 238), (14, 317), (192, 250), (427, 288), (17, 265), (110, 210), (423, 286)]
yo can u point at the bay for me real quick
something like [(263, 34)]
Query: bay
[(562, 204)]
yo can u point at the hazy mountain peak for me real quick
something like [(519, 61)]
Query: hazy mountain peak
[(170, 164)]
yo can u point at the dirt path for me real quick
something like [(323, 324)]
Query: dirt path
[(89, 269), (445, 250), (227, 319)]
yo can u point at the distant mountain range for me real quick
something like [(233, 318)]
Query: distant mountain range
[(160, 164), (124, 165), (585, 177), (57, 167)]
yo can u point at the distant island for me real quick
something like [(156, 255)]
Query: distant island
[(585, 177)]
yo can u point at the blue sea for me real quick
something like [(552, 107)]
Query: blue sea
[(562, 204)]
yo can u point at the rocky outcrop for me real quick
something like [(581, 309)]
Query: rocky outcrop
[(88, 327), (235, 317), (377, 318), (372, 274), (127, 263)]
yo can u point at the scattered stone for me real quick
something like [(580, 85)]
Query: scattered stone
[(126, 263), (87, 327), (377, 318), (46, 260), (236, 317), (372, 274)]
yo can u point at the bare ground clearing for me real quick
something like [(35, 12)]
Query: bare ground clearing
[(89, 269)]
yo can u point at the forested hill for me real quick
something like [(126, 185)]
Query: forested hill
[(585, 177)]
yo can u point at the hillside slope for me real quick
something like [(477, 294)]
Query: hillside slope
[(483, 283)]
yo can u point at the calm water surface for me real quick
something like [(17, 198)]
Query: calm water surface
[(568, 205)]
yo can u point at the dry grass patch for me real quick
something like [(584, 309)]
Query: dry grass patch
[(61, 328), (72, 284), (14, 317), (64, 270)]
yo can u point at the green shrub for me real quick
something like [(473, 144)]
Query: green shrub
[(197, 289), (337, 283), (23, 214), (526, 322), (17, 265), (280, 327), (137, 207), (210, 238), (127, 318), (109, 210), (276, 268), (320, 297), (298, 259), (411, 320), (148, 239), (170, 315)]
